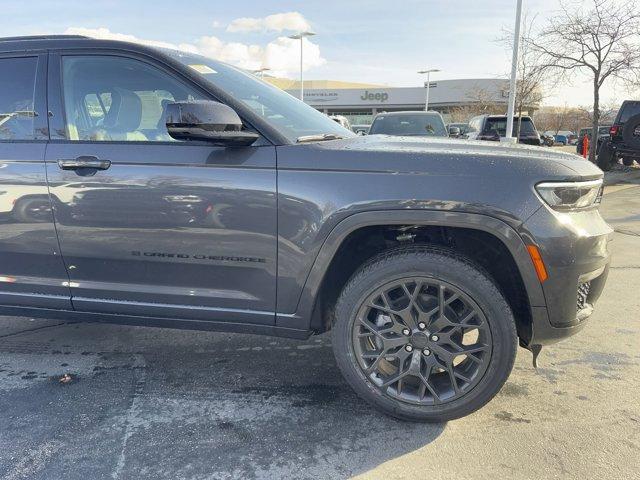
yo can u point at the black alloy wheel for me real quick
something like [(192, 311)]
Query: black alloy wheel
[(422, 340), (424, 334)]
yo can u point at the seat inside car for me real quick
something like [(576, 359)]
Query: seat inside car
[(122, 120), (161, 127)]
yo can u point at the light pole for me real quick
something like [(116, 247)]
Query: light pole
[(514, 76), (427, 85), (300, 36), (260, 72)]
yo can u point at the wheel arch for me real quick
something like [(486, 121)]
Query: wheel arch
[(309, 315)]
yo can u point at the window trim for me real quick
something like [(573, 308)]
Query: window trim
[(41, 122), (55, 95)]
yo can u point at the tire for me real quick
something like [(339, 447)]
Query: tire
[(605, 157), (631, 133), (451, 272)]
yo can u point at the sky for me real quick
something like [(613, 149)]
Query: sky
[(373, 41)]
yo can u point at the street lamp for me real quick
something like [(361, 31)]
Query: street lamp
[(300, 36), (260, 72), (427, 85), (514, 76)]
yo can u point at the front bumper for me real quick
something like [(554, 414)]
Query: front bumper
[(575, 249)]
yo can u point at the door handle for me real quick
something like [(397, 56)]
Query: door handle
[(84, 161)]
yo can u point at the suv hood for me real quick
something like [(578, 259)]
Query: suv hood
[(435, 155), (384, 172)]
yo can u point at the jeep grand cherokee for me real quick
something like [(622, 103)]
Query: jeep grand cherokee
[(155, 187)]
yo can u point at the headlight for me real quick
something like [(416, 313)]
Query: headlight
[(570, 195)]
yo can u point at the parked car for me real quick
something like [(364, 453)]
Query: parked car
[(624, 137), (561, 140), (603, 134), (342, 120), (463, 128), (547, 140), (414, 124), (360, 129), (185, 193), (494, 127)]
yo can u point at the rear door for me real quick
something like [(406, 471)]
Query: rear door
[(160, 227), (32, 273)]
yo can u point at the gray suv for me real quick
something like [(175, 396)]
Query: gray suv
[(154, 187)]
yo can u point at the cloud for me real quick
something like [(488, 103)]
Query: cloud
[(106, 34), (278, 22), (281, 56)]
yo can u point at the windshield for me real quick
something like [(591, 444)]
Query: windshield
[(426, 124), (293, 118), (587, 131), (500, 126), (629, 110)]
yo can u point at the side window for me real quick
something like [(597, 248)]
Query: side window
[(17, 98), (108, 98)]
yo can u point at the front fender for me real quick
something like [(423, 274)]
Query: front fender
[(301, 318)]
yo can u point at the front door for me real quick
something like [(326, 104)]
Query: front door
[(32, 273), (148, 225)]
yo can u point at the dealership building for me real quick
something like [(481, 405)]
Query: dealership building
[(360, 102)]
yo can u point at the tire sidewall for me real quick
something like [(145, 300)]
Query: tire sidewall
[(452, 270), (605, 156), (630, 126)]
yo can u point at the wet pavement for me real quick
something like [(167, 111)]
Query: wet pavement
[(172, 404)]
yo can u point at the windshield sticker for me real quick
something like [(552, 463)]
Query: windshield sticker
[(204, 69)]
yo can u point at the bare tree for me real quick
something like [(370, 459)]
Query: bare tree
[(602, 40), (480, 101), (633, 84), (554, 119)]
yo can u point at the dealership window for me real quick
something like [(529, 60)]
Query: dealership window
[(355, 117)]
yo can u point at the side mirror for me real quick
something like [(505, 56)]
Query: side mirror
[(209, 121), (494, 133), (454, 132)]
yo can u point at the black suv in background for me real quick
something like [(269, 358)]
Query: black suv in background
[(493, 127), (624, 137), (154, 187)]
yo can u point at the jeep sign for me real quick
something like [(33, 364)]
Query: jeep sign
[(378, 97)]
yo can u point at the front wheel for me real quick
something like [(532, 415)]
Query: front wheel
[(424, 334)]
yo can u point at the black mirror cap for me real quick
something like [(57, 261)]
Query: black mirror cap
[(207, 120)]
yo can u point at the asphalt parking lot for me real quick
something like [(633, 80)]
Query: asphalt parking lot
[(170, 404)]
